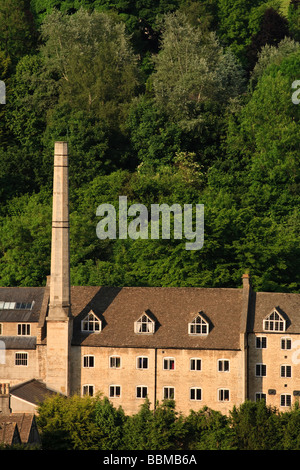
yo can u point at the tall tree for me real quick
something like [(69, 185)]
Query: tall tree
[(192, 70)]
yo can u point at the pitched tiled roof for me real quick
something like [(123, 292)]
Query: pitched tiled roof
[(18, 342), (33, 391), (172, 309), (288, 305), (21, 294), (9, 433), (24, 421)]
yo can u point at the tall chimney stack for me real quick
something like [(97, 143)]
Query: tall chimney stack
[(59, 319), (59, 307)]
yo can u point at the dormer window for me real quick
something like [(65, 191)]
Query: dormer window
[(91, 323), (274, 322), (144, 325), (199, 326)]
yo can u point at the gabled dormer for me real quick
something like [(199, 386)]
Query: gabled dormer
[(274, 321), (144, 325), (198, 326), (91, 323)]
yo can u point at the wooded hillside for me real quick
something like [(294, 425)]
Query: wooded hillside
[(176, 101)]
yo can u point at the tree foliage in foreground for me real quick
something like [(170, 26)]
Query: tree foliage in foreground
[(82, 423)]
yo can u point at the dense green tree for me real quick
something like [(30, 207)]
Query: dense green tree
[(290, 423), (94, 59), (17, 29), (238, 21), (161, 429), (136, 429), (98, 77), (256, 426), (110, 423), (191, 70), (25, 239), (208, 430), (272, 55), (263, 178), (294, 19), (273, 29), (68, 423)]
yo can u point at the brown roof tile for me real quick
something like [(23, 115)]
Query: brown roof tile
[(9, 432), (34, 391), (173, 309), (287, 304), (22, 294)]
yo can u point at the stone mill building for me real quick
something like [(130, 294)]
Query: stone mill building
[(200, 346)]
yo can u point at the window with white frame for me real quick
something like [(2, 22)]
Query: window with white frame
[(261, 342), (141, 391), (274, 322), (144, 325), (223, 365), (142, 362), (195, 363), (88, 361), (285, 399), (285, 371), (195, 393), (21, 359), (260, 370), (260, 396), (168, 393), (168, 363), (223, 394), (198, 326), (286, 343), (114, 391), (115, 362), (24, 329), (91, 323), (88, 390)]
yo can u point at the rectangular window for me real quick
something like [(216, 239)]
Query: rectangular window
[(260, 396), (195, 394), (141, 392), (1, 329), (286, 343), (261, 342), (88, 390), (195, 364), (223, 394), (114, 391), (285, 400), (285, 371), (21, 359), (223, 365), (88, 361), (142, 362), (168, 393), (260, 370), (115, 362), (24, 329), (169, 363)]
